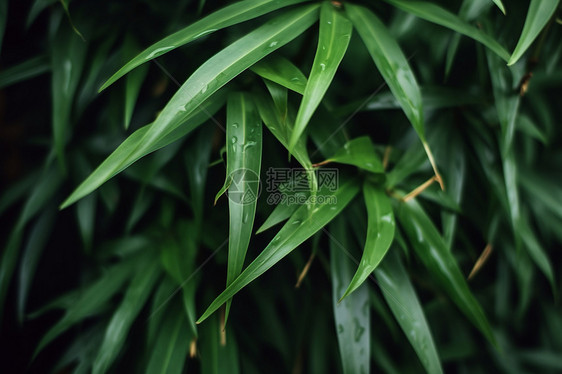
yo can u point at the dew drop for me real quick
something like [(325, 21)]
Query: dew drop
[(273, 44), (159, 51), (246, 217), (235, 125), (206, 32), (297, 222), (340, 329), (249, 144), (234, 140), (295, 79), (323, 66), (359, 330), (204, 89)]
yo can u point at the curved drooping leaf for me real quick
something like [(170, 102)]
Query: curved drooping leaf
[(538, 16), (358, 152), (436, 14), (391, 63), (401, 297), (281, 71), (225, 17), (304, 223), (333, 39), (140, 288), (121, 158), (380, 234), (432, 250), (394, 68), (352, 316), (211, 76), (243, 157)]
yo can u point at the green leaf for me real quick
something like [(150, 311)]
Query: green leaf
[(304, 223), (171, 346), (212, 75), (538, 16), (284, 209), (90, 300), (147, 273), (67, 60), (351, 315), (281, 71), (219, 351), (391, 63), (38, 237), (121, 158), (380, 234), (281, 127), (434, 13), (25, 70), (359, 152), (243, 157), (401, 297), (537, 253), (225, 17), (335, 33), (133, 82), (499, 5), (432, 250)]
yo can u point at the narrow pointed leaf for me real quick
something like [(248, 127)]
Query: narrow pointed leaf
[(215, 73), (281, 71), (500, 5), (284, 209), (359, 152), (304, 223), (90, 300), (171, 345), (243, 157), (228, 16), (335, 33), (120, 158), (26, 70), (380, 234), (391, 63), (67, 61), (434, 13), (432, 250), (401, 297), (218, 356), (147, 273), (352, 316), (133, 83), (538, 16)]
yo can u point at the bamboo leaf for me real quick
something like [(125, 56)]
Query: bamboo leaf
[(225, 17), (391, 63), (67, 60), (500, 5), (90, 301), (434, 13), (171, 345), (538, 16), (335, 33), (352, 315), (147, 273), (359, 152), (401, 297), (431, 249), (304, 223), (28, 69), (121, 158), (133, 82), (243, 156), (380, 234), (281, 71)]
